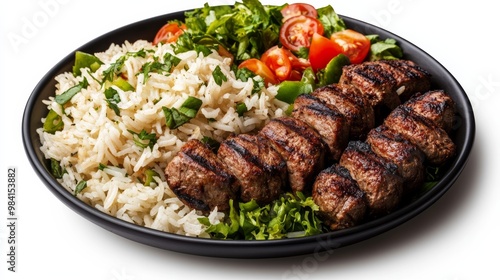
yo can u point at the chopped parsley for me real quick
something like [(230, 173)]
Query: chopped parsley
[(219, 77), (241, 108), (247, 30), (80, 187), (177, 117), (169, 62), (191, 106), (102, 166), (113, 98), (116, 67), (66, 96), (56, 169), (144, 139), (244, 75)]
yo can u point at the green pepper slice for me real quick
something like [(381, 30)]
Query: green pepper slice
[(149, 174), (289, 90), (84, 60), (333, 69), (123, 84), (53, 122)]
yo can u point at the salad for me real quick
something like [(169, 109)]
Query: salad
[(294, 46)]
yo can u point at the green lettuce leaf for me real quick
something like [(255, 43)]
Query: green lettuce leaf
[(289, 216), (246, 30), (330, 20), (383, 49)]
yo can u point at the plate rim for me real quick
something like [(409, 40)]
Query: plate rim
[(245, 248)]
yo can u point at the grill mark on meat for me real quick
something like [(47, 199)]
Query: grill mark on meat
[(292, 124), (410, 78), (373, 74), (342, 204), (357, 111), (199, 179), (432, 140), (192, 202), (377, 177), (406, 156), (247, 155), (374, 83), (251, 157), (386, 82), (206, 164), (328, 122), (260, 170), (435, 106), (300, 146)]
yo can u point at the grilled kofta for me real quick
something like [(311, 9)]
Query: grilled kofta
[(382, 82), (393, 147), (342, 204), (376, 85), (410, 78), (300, 146), (436, 106), (432, 140), (347, 100), (199, 179), (377, 177), (328, 122), (260, 170)]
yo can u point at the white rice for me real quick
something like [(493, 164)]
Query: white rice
[(93, 134)]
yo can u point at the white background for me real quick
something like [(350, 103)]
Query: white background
[(456, 238)]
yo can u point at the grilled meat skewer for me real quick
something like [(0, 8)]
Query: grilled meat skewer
[(435, 106), (377, 177), (410, 78), (199, 179), (342, 204), (394, 148), (432, 140), (260, 170), (347, 100), (382, 82), (371, 177), (300, 146), (328, 122)]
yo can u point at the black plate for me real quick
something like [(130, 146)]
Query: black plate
[(146, 29)]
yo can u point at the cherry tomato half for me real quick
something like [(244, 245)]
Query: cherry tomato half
[(296, 32), (297, 63), (169, 33), (354, 44), (297, 9), (322, 50), (259, 68), (277, 60)]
